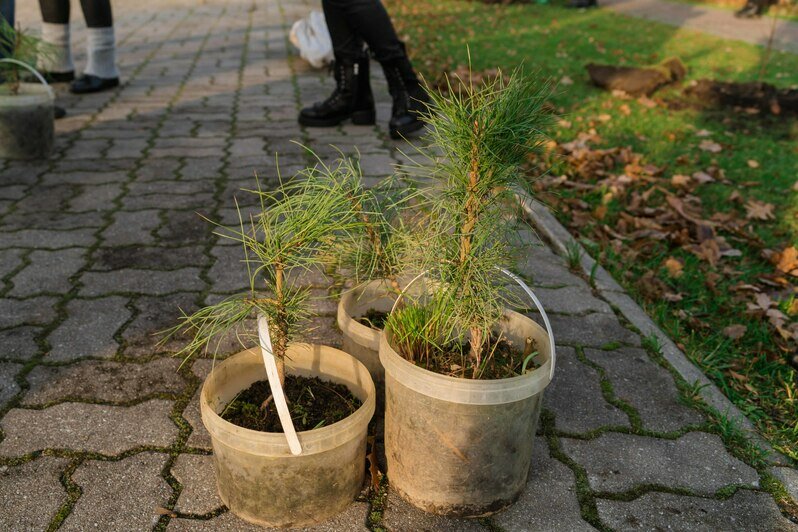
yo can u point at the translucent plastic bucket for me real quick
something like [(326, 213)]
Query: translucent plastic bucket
[(361, 341), (27, 130), (257, 476), (463, 447)]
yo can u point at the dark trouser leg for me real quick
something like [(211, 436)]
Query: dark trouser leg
[(97, 13), (55, 11), (7, 12), (352, 20)]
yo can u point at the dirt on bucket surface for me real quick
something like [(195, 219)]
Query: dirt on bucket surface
[(637, 81), (747, 95), (312, 402)]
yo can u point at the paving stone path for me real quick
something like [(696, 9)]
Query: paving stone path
[(712, 20), (102, 243)]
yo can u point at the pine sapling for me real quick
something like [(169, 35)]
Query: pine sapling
[(293, 232), (482, 135)]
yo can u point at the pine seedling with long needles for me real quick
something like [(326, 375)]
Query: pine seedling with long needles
[(380, 249), (482, 135), (19, 45), (293, 232)]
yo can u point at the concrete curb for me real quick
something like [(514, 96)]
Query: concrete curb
[(562, 242)]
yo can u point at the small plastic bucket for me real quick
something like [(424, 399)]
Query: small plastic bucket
[(361, 341), (463, 447), (257, 476), (27, 129)]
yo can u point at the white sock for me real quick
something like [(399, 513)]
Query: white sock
[(55, 54), (101, 51)]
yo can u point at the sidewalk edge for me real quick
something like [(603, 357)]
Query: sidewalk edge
[(561, 241)]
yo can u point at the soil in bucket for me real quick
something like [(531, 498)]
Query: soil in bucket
[(313, 404), (501, 359), (373, 318)]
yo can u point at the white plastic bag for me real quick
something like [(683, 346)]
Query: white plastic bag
[(311, 36)]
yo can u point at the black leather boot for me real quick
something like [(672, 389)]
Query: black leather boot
[(409, 97), (582, 4), (352, 97), (749, 10)]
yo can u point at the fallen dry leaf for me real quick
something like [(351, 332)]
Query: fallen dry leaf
[(646, 102), (703, 133), (710, 146), (787, 260), (565, 80), (735, 332), (703, 177), (674, 266), (753, 164), (680, 181), (795, 186), (758, 210), (624, 109)]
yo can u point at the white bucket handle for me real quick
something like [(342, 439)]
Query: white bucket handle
[(528, 292), (277, 390), (32, 70)]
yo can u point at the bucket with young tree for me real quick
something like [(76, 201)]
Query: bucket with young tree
[(464, 375), (288, 421)]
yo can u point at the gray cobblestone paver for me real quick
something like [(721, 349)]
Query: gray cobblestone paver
[(696, 461), (31, 493), (141, 281), (403, 517), (575, 397), (199, 437), (646, 386), (90, 329), (570, 300), (101, 245), (550, 481), (103, 381), (746, 510), (48, 272), (594, 330), (195, 474), (79, 426), (19, 343), (8, 383), (121, 495)]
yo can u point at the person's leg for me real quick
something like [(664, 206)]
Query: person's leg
[(753, 9), (55, 56), (7, 12), (352, 97), (101, 72), (369, 20)]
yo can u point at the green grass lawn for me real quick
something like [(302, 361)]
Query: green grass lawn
[(754, 370)]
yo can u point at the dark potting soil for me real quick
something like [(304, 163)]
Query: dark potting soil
[(313, 403), (373, 318), (500, 360)]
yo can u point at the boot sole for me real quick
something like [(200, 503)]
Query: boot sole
[(359, 118)]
